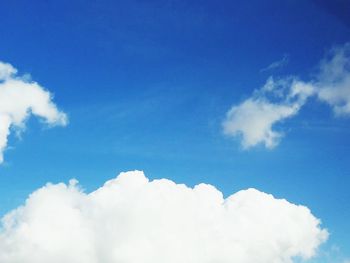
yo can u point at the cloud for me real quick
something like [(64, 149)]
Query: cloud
[(20, 98), (333, 81), (131, 219), (254, 120), (277, 64), (261, 115)]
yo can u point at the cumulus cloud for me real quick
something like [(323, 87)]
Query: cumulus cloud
[(20, 98), (254, 120), (131, 219)]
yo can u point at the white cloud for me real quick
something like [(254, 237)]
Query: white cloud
[(20, 98), (334, 80), (6, 70), (131, 219), (254, 119)]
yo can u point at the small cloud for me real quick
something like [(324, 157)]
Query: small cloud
[(254, 119), (20, 97), (277, 64), (333, 80), (131, 219)]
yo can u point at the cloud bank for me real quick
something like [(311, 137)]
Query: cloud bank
[(254, 120), (131, 220), (20, 98)]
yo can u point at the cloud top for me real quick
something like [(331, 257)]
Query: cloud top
[(21, 98), (131, 219), (254, 120)]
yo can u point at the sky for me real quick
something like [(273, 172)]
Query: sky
[(238, 95)]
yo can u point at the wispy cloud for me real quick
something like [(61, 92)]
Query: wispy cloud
[(277, 64), (19, 98), (254, 119), (131, 219)]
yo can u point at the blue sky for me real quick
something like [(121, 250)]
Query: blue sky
[(147, 84)]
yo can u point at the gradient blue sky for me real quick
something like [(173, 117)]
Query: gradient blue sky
[(147, 84)]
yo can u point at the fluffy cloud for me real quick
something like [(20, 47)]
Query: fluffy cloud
[(20, 98), (254, 119), (131, 219), (334, 80)]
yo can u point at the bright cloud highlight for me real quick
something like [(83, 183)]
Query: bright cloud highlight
[(254, 119), (131, 219), (20, 98)]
